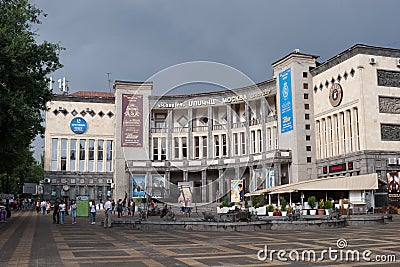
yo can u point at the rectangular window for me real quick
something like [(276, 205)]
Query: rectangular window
[(100, 151), (54, 148), (275, 133), (305, 85), (216, 146), (82, 147), (163, 148), (155, 148), (305, 96), (72, 156), (308, 159), (350, 130), (307, 116), (308, 137), (64, 143), (308, 127), (205, 147), (91, 155), (253, 141), (306, 106), (308, 148), (196, 147), (176, 147), (184, 147), (243, 143), (109, 152), (305, 74), (259, 136), (224, 146), (236, 144)]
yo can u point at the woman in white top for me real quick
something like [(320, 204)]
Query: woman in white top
[(92, 208), (62, 211)]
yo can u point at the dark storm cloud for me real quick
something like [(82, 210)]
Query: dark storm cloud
[(136, 39)]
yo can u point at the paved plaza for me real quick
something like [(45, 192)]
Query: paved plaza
[(29, 239)]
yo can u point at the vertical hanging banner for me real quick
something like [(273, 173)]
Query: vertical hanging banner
[(132, 120), (286, 107)]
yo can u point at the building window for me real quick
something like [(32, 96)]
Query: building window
[(82, 147), (307, 116), (308, 148), (305, 74), (305, 96), (275, 134), (253, 141), (205, 146), (155, 148), (64, 154), (308, 159), (243, 143), (216, 146), (235, 144), (308, 127), (109, 152), (91, 155), (306, 106), (100, 151), (72, 156), (184, 147), (196, 147), (305, 85), (259, 136), (159, 120), (54, 147), (308, 137), (176, 147), (224, 146), (163, 148)]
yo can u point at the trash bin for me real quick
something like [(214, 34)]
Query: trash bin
[(3, 214)]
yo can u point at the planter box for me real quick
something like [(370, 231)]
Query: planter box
[(327, 211), (313, 212), (304, 212), (270, 213), (284, 213)]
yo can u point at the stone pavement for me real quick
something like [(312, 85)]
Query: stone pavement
[(29, 239)]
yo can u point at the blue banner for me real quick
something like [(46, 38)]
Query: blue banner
[(286, 107), (139, 185)]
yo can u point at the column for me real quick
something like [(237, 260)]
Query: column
[(221, 181), (165, 191), (210, 148), (263, 125), (190, 134), (185, 176), (247, 123), (204, 186), (229, 140), (170, 142)]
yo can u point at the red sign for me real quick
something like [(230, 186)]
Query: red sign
[(132, 120), (337, 168)]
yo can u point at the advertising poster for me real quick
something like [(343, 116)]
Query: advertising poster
[(270, 179), (139, 186), (132, 120), (185, 197), (393, 187), (82, 206), (158, 186), (286, 107), (257, 182), (237, 190)]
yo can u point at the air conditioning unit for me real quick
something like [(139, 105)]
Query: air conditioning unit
[(47, 180), (113, 185), (88, 110), (60, 109), (109, 181), (392, 161), (398, 62), (372, 61)]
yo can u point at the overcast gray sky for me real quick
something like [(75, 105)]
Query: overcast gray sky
[(134, 39)]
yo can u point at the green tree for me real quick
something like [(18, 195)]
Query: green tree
[(24, 92)]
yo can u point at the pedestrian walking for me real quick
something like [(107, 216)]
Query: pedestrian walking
[(107, 211), (92, 208), (48, 207), (62, 211), (56, 212), (73, 211), (43, 206)]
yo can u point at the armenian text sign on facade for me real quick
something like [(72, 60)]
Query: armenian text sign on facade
[(132, 120), (286, 107)]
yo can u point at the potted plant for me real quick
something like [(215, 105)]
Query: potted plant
[(328, 207), (246, 204), (270, 210), (283, 207), (311, 202), (321, 206)]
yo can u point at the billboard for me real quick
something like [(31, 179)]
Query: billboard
[(138, 186), (257, 181), (393, 182), (185, 196), (158, 186), (237, 190), (132, 120), (270, 177), (285, 103)]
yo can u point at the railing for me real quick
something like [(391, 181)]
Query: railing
[(238, 124), (219, 127), (159, 130), (200, 129)]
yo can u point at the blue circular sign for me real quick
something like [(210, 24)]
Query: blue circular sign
[(78, 125)]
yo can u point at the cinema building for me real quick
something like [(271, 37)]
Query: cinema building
[(311, 120)]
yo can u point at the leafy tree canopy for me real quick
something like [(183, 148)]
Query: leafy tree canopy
[(24, 67)]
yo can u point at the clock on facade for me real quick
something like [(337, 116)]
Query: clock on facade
[(336, 94)]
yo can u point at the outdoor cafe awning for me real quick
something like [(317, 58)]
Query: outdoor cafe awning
[(345, 183)]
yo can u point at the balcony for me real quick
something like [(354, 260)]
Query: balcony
[(200, 128)]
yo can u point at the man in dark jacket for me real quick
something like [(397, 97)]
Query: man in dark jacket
[(56, 213)]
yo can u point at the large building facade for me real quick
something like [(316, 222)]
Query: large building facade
[(310, 120)]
